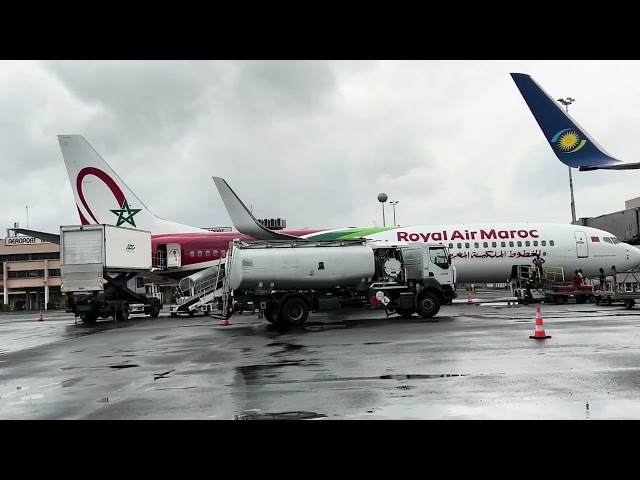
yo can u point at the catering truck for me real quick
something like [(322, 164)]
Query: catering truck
[(286, 279), (100, 271)]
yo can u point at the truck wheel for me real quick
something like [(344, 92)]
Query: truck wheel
[(629, 303), (155, 310), (269, 316), (405, 312), (428, 304), (122, 313), (89, 318), (294, 311)]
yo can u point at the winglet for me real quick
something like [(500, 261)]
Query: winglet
[(242, 218)]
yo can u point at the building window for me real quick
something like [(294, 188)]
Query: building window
[(54, 272)]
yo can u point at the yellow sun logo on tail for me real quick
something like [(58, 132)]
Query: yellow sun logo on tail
[(568, 141)]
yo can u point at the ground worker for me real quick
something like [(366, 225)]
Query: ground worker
[(576, 280), (603, 278), (538, 261)]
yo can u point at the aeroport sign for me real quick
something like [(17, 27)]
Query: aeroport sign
[(16, 241)]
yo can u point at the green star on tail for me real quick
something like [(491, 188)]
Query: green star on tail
[(125, 214)]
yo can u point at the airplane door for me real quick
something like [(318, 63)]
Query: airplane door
[(174, 255), (582, 247)]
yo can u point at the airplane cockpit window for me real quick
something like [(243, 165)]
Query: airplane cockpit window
[(615, 240), (607, 239)]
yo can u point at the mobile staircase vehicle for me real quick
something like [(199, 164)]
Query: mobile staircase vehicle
[(197, 293)]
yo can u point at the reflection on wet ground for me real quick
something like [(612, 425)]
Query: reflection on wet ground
[(471, 361)]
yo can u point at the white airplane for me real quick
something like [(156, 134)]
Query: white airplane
[(481, 253)]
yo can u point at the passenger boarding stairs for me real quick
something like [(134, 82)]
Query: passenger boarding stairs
[(200, 292)]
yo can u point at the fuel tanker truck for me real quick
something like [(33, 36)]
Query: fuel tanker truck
[(286, 279)]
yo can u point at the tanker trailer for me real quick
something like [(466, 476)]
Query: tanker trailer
[(286, 279)]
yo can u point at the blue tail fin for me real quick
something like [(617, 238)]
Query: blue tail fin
[(569, 141)]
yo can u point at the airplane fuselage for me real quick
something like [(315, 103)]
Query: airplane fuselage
[(481, 253)]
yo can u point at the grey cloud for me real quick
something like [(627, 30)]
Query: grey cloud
[(313, 142)]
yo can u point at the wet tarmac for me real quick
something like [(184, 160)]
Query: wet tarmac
[(469, 362)]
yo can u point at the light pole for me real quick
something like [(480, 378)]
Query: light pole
[(382, 197), (566, 102), (393, 203)]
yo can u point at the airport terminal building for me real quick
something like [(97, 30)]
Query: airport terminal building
[(30, 274)]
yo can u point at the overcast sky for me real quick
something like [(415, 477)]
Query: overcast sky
[(313, 141)]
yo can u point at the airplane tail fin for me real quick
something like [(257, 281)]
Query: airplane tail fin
[(569, 141), (102, 196)]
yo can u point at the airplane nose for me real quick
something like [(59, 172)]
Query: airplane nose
[(633, 255)]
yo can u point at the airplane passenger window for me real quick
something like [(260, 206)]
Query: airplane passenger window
[(207, 253), (466, 245), (543, 243), (476, 245), (494, 244), (192, 253), (459, 245), (215, 253), (503, 244), (511, 244), (527, 243), (551, 243), (519, 243), (485, 244), (450, 246), (199, 253), (535, 243), (223, 253)]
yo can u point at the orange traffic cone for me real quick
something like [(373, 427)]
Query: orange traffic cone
[(539, 334), (40, 316)]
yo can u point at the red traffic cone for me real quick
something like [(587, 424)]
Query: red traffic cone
[(539, 334), (469, 299), (40, 316)]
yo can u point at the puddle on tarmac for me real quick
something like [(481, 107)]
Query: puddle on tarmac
[(280, 416)]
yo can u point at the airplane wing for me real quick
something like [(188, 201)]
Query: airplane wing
[(242, 218), (570, 142), (44, 236), (622, 166)]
